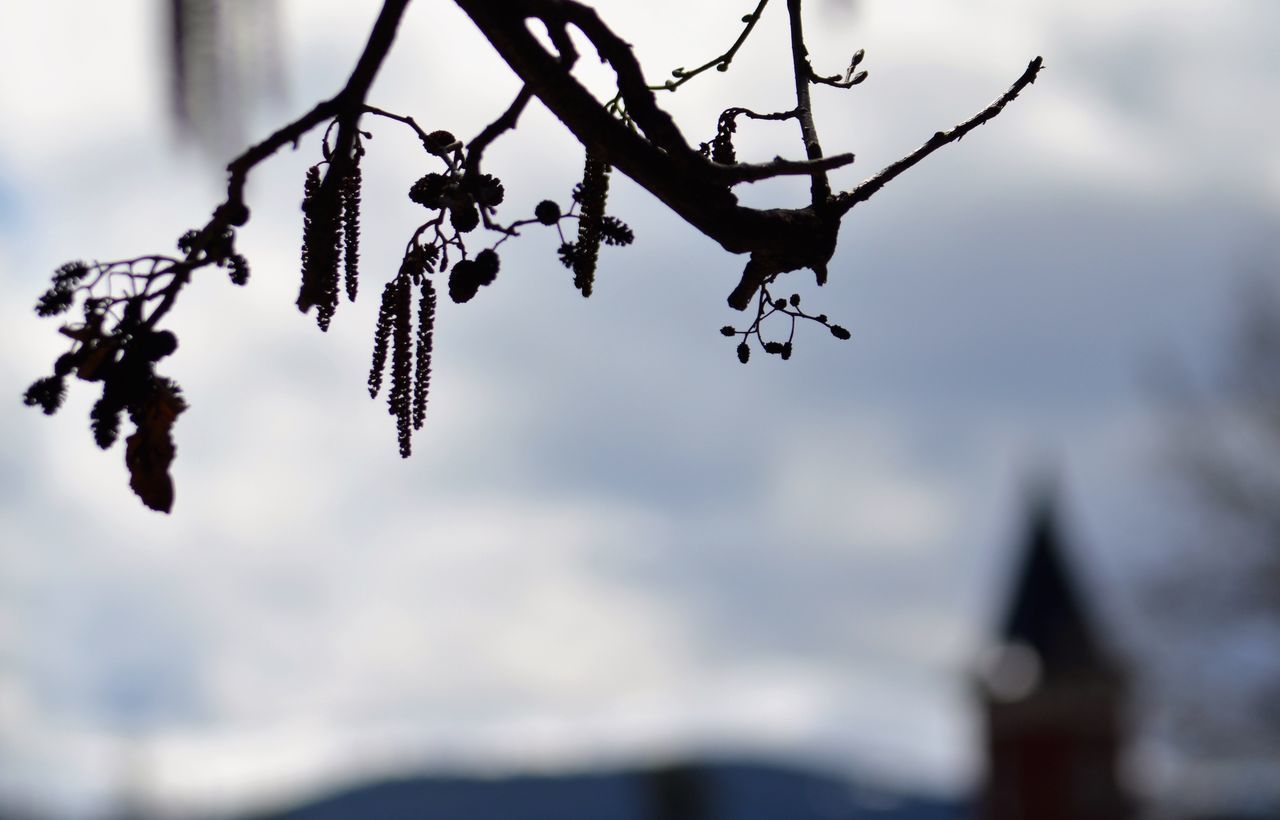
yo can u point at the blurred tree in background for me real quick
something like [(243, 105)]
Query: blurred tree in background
[(223, 55), (1219, 598)]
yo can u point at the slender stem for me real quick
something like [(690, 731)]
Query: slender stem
[(409, 121), (504, 123), (724, 59), (866, 189), (819, 187)]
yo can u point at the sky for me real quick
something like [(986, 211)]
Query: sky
[(613, 542)]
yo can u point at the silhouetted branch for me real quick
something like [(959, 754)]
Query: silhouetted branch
[(118, 344), (720, 63), (865, 190), (820, 188), (749, 172), (504, 123)]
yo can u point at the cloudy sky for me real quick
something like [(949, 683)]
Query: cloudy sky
[(613, 542)]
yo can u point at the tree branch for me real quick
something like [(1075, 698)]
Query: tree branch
[(721, 62), (820, 187), (845, 201), (504, 123), (347, 103), (754, 172)]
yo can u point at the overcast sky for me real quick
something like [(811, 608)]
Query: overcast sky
[(613, 541)]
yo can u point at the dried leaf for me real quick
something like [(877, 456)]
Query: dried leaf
[(150, 450)]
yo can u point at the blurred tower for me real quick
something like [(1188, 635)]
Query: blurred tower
[(1053, 697), (677, 792)]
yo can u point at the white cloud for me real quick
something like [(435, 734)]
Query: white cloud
[(613, 540)]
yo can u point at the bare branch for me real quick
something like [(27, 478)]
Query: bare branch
[(504, 123), (721, 62), (755, 172), (843, 202), (820, 187)]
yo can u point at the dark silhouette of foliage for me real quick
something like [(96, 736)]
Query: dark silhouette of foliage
[(119, 341)]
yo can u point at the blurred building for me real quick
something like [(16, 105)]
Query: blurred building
[(1053, 697)]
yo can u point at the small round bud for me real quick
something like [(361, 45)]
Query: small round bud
[(463, 281), (547, 212), (795, 300), (439, 142), (486, 266), (464, 219), (428, 190)]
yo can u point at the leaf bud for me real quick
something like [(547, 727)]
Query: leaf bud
[(486, 266), (440, 142), (464, 219), (547, 212), (464, 281)]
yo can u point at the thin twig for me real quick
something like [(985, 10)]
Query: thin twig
[(406, 120), (819, 187), (722, 62), (865, 190), (755, 172), (504, 123)]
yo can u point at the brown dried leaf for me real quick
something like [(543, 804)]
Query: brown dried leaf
[(149, 451)]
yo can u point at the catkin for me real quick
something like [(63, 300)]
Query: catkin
[(381, 338), (351, 185), (594, 191), (422, 370), (399, 401)]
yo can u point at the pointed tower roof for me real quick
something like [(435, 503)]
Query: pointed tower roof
[(1047, 611)]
